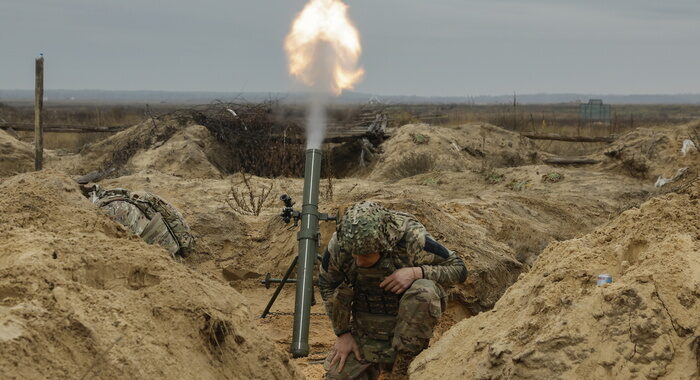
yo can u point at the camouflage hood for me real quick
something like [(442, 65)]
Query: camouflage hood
[(367, 228)]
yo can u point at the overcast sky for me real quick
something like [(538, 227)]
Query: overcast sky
[(411, 47)]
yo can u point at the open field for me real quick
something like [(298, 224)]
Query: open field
[(553, 118)]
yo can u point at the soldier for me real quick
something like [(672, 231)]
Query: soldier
[(146, 215), (381, 281)]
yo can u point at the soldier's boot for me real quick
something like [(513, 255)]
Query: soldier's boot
[(400, 369)]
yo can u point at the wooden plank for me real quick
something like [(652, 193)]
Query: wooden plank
[(571, 161), (62, 128), (38, 106), (568, 138)]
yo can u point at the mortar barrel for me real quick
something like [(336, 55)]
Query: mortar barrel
[(308, 238)]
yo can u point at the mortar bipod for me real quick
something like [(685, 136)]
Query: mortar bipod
[(281, 281)]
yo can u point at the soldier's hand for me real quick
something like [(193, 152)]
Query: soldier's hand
[(344, 345), (401, 280)]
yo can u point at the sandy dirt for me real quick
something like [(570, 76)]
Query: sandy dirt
[(472, 146), (15, 156), (484, 193), (80, 298), (648, 153), (555, 322)]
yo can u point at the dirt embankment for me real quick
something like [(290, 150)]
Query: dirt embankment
[(418, 148), (556, 323), (648, 153), (499, 231), (15, 156), (80, 298), (172, 144)]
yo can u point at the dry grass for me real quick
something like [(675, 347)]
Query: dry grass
[(413, 164)]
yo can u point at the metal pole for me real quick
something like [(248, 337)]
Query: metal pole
[(38, 106), (279, 288), (308, 238)]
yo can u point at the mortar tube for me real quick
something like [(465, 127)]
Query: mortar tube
[(308, 238)]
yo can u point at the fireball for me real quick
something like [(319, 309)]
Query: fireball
[(324, 22)]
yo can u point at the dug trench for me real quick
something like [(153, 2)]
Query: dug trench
[(480, 190), (499, 230)]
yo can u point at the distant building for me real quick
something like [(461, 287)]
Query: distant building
[(595, 112), (375, 100)]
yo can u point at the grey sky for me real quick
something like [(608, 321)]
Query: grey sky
[(422, 47)]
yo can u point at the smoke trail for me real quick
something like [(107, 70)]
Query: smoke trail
[(323, 48), (316, 121), (321, 72)]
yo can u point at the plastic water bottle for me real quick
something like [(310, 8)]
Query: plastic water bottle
[(604, 279)]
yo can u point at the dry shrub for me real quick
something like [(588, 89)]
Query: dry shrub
[(327, 193), (413, 164), (493, 178), (510, 159), (246, 200), (695, 136), (552, 177), (258, 143), (216, 331), (636, 167), (403, 117), (518, 185), (420, 138)]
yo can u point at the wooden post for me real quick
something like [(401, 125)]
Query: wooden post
[(515, 112), (38, 105)]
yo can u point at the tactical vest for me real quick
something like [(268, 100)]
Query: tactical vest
[(375, 311), (368, 296)]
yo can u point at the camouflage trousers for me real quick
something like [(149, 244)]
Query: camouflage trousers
[(380, 336)]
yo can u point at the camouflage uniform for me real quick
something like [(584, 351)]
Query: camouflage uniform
[(384, 323), (147, 216)]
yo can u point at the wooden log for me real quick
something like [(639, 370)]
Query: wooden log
[(571, 161), (568, 138), (95, 176), (62, 128), (38, 106)]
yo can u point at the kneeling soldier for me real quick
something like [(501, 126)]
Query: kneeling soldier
[(381, 279)]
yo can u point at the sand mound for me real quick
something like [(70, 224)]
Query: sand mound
[(556, 323), (418, 148), (647, 153), (218, 230), (80, 298), (183, 155), (15, 156), (172, 144)]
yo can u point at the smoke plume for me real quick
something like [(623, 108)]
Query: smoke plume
[(323, 48)]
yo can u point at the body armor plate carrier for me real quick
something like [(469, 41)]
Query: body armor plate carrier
[(368, 296)]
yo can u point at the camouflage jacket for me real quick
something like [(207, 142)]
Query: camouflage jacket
[(148, 216), (410, 245)]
